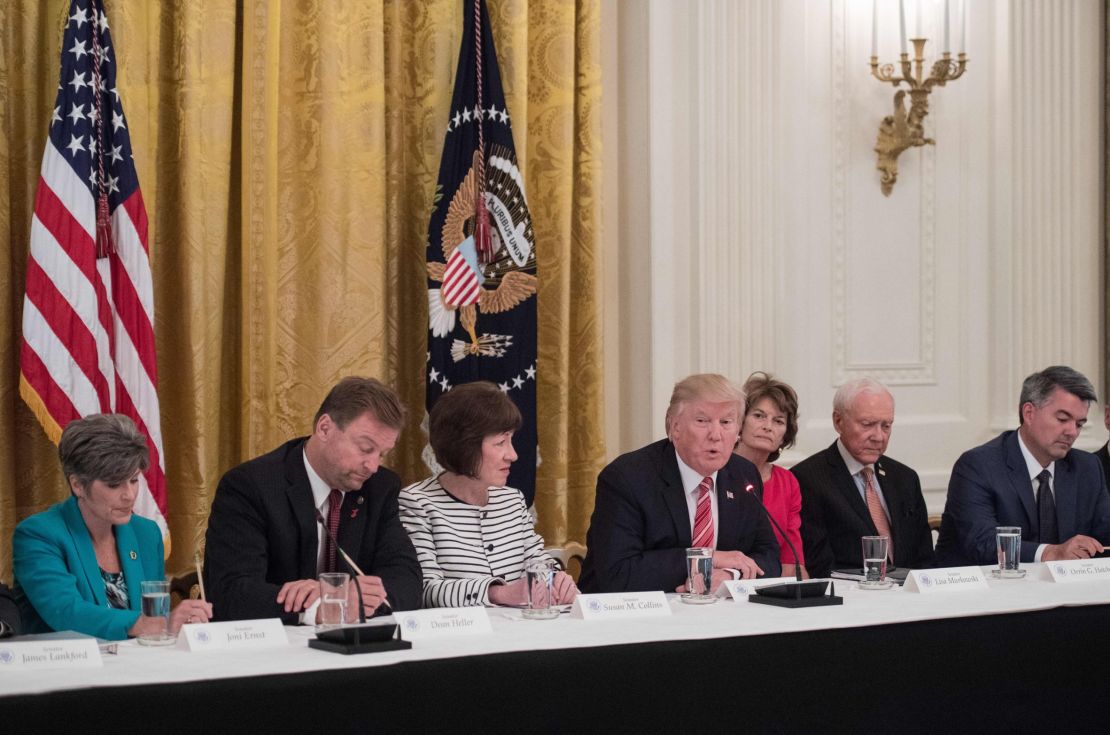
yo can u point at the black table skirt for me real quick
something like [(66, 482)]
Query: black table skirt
[(1018, 673)]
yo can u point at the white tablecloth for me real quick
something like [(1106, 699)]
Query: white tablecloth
[(135, 664)]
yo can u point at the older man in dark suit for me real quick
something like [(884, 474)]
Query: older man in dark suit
[(265, 543), (1031, 478), (9, 613), (686, 490), (852, 489)]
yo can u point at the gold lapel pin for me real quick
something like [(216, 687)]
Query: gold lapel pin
[(134, 556)]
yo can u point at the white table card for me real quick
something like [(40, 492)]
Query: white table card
[(613, 605), (739, 589), (950, 579), (442, 622), (50, 651), (234, 634), (1078, 570)]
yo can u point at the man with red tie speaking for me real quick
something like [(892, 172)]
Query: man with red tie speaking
[(686, 490)]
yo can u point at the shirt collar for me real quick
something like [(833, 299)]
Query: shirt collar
[(854, 465), (320, 489), (1031, 464), (690, 478)]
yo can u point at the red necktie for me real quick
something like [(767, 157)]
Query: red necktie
[(335, 501), (703, 515), (875, 507)]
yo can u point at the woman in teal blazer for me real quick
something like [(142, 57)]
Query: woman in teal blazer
[(78, 565)]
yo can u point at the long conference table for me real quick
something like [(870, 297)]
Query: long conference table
[(1022, 656)]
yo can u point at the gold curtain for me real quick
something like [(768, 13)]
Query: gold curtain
[(287, 153)]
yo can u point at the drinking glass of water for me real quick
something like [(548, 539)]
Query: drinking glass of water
[(875, 554), (1008, 544), (333, 599), (699, 576), (156, 604), (540, 575)]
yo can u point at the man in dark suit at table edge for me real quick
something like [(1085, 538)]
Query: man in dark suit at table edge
[(654, 503), (1031, 477), (9, 613), (265, 547), (1103, 452), (852, 489)]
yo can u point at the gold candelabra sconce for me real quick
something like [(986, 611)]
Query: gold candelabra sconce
[(906, 128)]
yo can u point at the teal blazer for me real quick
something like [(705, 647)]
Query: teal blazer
[(57, 580)]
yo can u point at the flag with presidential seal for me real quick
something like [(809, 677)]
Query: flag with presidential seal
[(481, 258)]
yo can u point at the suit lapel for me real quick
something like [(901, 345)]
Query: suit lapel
[(728, 488), (1018, 474), (82, 544), (846, 486), (128, 547), (674, 496), (299, 494), (352, 525), (1064, 493)]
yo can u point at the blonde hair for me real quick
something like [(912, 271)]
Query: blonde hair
[(702, 387)]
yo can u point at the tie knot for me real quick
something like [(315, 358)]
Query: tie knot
[(867, 474), (705, 485), (335, 498), (1044, 477)]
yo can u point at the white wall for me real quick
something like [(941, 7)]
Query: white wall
[(745, 228)]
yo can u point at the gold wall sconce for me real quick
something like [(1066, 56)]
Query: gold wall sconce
[(905, 128)]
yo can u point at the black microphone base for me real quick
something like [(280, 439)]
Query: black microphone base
[(822, 601), (348, 649)]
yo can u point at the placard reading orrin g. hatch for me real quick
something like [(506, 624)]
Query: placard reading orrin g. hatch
[(1078, 570), (442, 622), (613, 605), (950, 579), (49, 651), (233, 634)]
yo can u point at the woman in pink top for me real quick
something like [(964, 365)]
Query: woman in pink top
[(770, 425)]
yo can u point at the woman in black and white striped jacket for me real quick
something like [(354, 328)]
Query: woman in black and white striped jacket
[(474, 536)]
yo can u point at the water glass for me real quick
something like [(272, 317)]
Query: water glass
[(1008, 544), (156, 604), (540, 575), (699, 575), (874, 562), (333, 600)]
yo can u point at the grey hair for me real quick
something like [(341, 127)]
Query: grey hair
[(1039, 386), (104, 446), (703, 387), (851, 390)]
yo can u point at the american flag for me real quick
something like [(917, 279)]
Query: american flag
[(88, 312)]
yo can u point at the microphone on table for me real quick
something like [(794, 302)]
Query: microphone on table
[(798, 593), (349, 639)]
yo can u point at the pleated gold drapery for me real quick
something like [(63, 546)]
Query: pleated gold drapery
[(287, 153)]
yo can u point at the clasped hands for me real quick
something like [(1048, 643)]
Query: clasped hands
[(515, 594), (723, 561), (299, 595), (187, 611)]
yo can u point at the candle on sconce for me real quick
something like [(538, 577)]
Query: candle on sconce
[(917, 24), (902, 24), (874, 27), (947, 8), (963, 26)]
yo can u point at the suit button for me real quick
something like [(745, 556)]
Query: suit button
[(489, 547)]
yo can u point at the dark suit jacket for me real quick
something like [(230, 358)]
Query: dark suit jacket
[(640, 527), (262, 533), (1103, 455), (990, 487), (834, 515), (9, 613)]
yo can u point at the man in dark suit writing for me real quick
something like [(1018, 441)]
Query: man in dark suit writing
[(852, 489), (1031, 478), (686, 490), (265, 546)]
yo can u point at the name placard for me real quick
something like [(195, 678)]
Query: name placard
[(56, 653), (739, 589), (614, 605), (235, 634), (442, 622), (950, 579), (1078, 570)]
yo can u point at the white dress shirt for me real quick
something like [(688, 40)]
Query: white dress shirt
[(690, 482), (1033, 467)]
